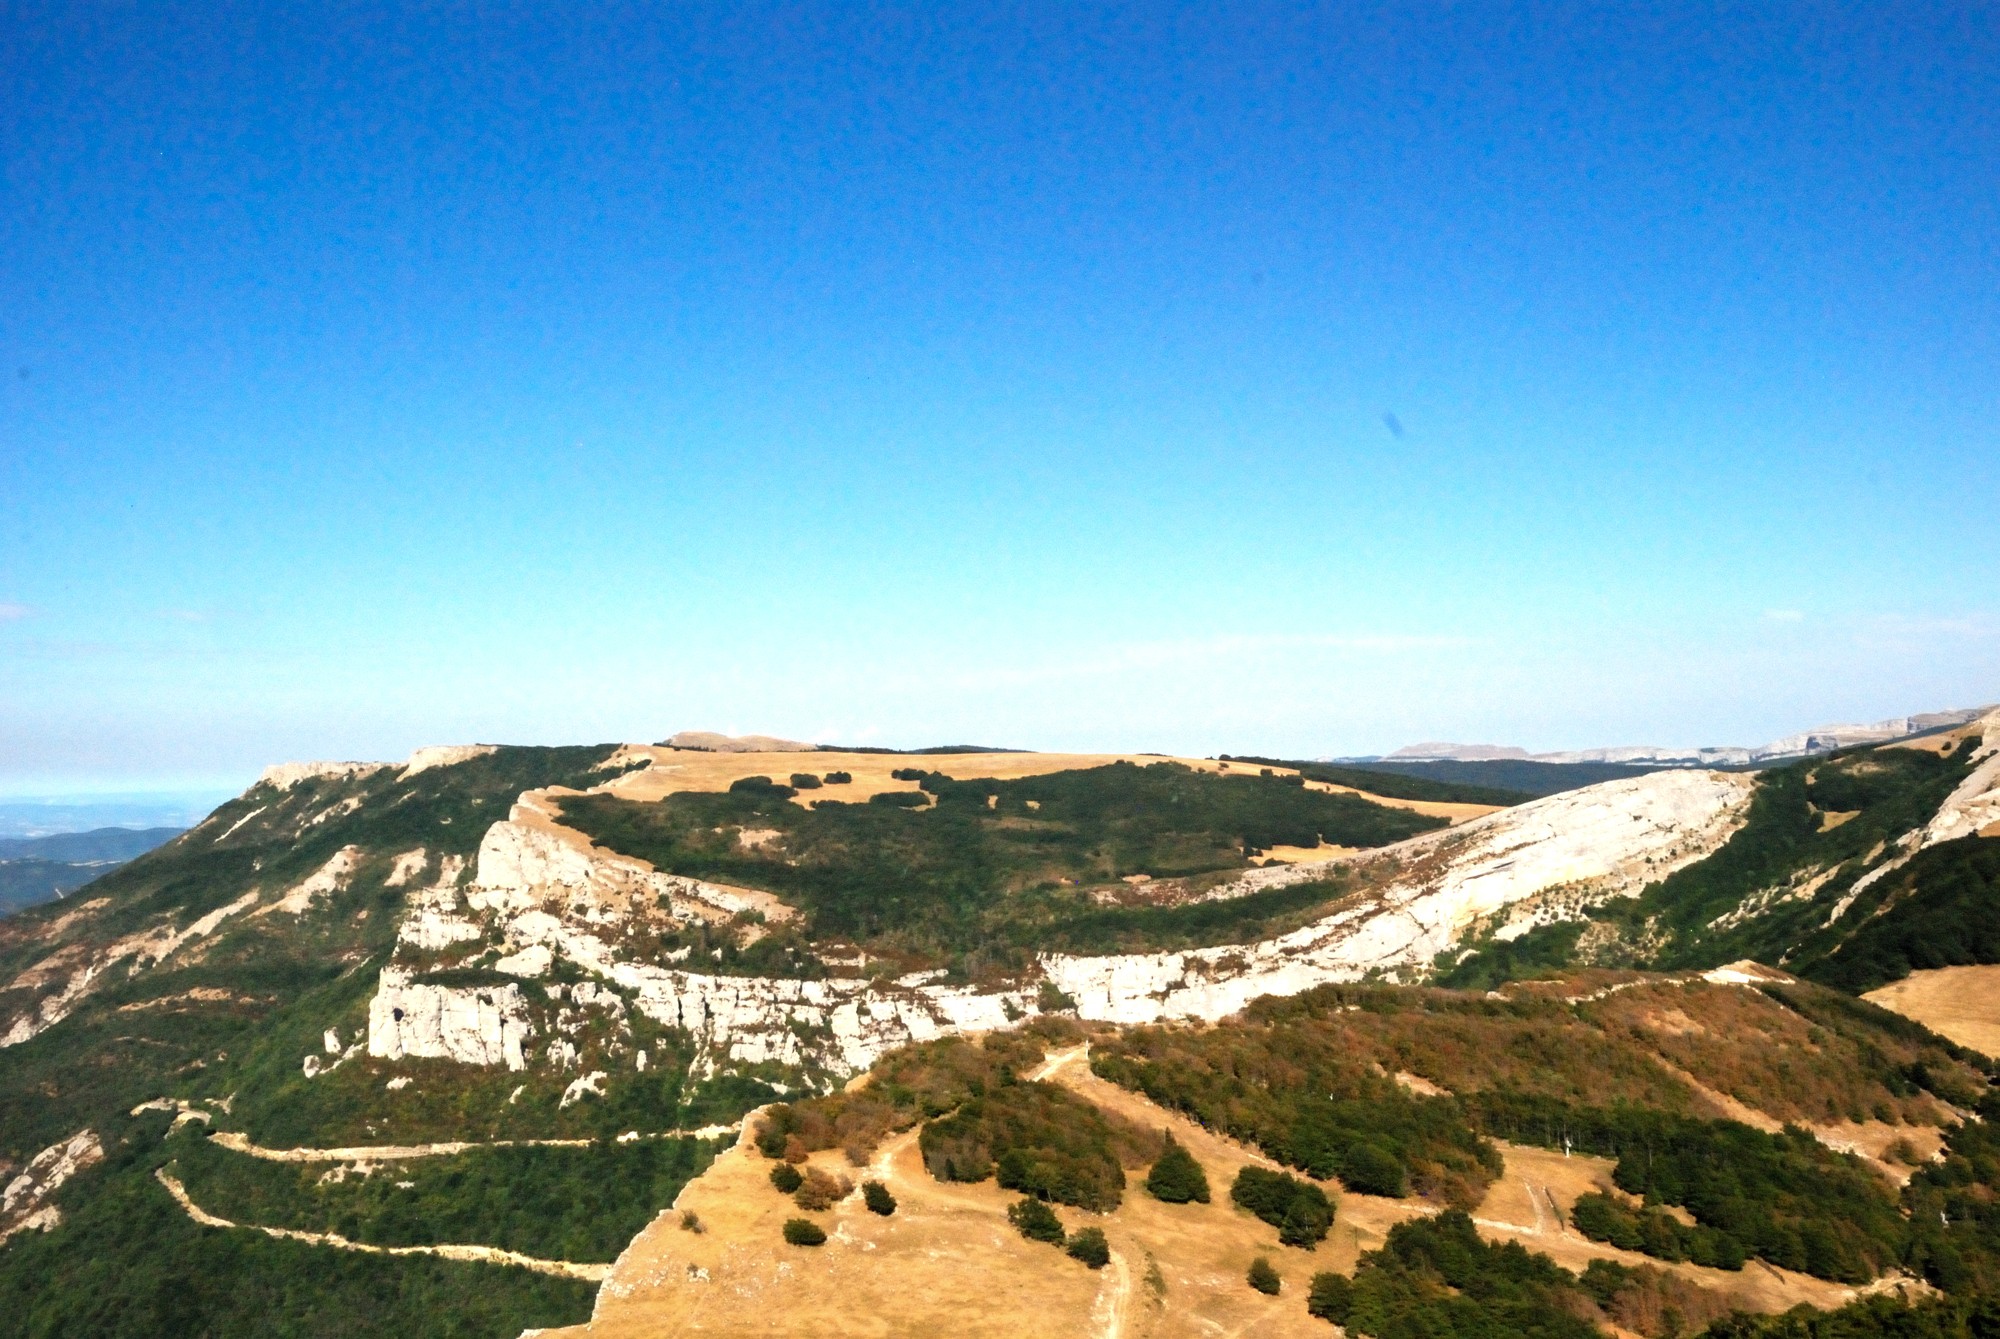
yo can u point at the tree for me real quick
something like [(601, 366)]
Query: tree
[(804, 1232), (1299, 1210), (1264, 1278), (1036, 1221), (1372, 1170), (877, 1197), (805, 781), (1331, 1298), (1177, 1178), (1090, 1247), (786, 1178), (839, 778), (820, 1191)]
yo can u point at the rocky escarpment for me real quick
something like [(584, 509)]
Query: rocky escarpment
[(1973, 808), (542, 894), (1507, 872)]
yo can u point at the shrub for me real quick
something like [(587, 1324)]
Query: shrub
[(821, 1192), (761, 786), (786, 1178), (1299, 1210), (805, 781), (804, 1232), (1090, 1247), (1177, 1178), (877, 1197), (1264, 1278), (1036, 1221), (839, 778), (1331, 1298), (691, 1221), (1371, 1169), (901, 799)]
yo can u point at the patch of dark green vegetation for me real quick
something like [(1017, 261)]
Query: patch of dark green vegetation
[(1889, 791), (1517, 775), (1945, 912), (1391, 785), (1871, 1318), (1177, 1178), (128, 1263), (980, 1118), (1541, 951), (1785, 1198), (578, 1204), (991, 872), (1300, 1210), (1653, 1231), (1437, 1279), (1308, 1102)]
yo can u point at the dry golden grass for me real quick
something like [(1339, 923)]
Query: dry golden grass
[(1962, 1003), (948, 1263), (681, 769)]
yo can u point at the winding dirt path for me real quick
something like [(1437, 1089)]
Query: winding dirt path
[(238, 1142), (491, 1255)]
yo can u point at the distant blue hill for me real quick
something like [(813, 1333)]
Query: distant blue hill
[(40, 869)]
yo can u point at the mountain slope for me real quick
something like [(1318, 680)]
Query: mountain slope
[(518, 977)]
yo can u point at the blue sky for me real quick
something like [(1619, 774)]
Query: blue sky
[(1249, 378)]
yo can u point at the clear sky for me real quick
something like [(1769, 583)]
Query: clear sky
[(1232, 377)]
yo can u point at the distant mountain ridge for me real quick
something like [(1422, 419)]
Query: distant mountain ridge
[(1820, 739)]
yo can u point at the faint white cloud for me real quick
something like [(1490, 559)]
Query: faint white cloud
[(1785, 615), (12, 611)]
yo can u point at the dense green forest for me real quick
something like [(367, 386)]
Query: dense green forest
[(1515, 775), (128, 1263), (993, 870), (579, 1204), (1390, 784)]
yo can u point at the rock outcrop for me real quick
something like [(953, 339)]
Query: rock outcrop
[(1530, 865), (475, 1025), (1974, 807), (26, 1202)]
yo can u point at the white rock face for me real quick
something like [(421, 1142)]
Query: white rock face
[(328, 879), (24, 1203), (445, 755), (1975, 805), (1538, 863), (554, 897), (285, 775), (475, 1025), (531, 859)]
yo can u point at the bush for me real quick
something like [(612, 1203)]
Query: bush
[(1090, 1247), (805, 781), (877, 1197), (1299, 1210), (1036, 1221), (1264, 1278), (1331, 1298), (1177, 1178), (1370, 1169), (821, 1192), (901, 799), (786, 1178), (762, 787), (804, 1232), (839, 778)]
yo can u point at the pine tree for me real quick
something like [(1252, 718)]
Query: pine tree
[(1177, 1178)]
